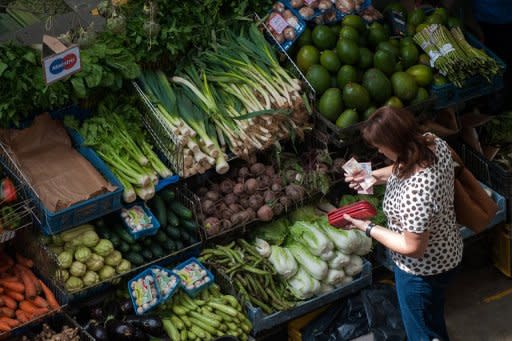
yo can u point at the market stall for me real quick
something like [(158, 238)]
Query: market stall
[(183, 184)]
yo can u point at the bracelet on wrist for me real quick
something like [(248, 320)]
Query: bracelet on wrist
[(369, 228)]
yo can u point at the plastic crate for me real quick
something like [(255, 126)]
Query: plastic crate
[(476, 86), (25, 327), (488, 172), (501, 250), (261, 322), (146, 232)]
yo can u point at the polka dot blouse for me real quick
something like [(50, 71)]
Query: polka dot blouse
[(424, 202)]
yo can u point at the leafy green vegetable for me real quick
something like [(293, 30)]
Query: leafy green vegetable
[(274, 233)]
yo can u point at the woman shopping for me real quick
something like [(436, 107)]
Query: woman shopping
[(424, 241)]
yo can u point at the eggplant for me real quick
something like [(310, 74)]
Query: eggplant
[(98, 332), (149, 324), (97, 313), (120, 331), (139, 335), (126, 307)]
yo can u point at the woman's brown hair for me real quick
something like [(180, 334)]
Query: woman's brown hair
[(397, 130)]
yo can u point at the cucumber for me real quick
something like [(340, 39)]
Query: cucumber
[(160, 236), (136, 247), (179, 244), (147, 254), (157, 250), (124, 247), (147, 242), (173, 232), (160, 210), (180, 210), (170, 246), (124, 235), (172, 219), (115, 240), (184, 236), (167, 195), (134, 258), (189, 225)]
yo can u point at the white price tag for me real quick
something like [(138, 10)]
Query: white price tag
[(278, 24), (446, 48)]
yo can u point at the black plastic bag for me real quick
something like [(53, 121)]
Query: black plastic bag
[(372, 310)]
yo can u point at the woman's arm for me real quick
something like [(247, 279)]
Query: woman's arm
[(408, 244)]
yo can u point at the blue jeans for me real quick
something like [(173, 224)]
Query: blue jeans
[(421, 300)]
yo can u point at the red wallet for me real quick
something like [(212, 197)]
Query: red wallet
[(359, 210)]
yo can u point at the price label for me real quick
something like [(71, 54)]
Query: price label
[(446, 48), (61, 65), (278, 24)]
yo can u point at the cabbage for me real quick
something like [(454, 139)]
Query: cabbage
[(347, 241), (74, 283), (355, 266), (366, 245), (327, 256), (89, 238), (306, 213), (335, 276), (312, 265), (325, 288), (302, 285), (283, 261), (262, 247), (339, 261), (274, 233), (311, 236)]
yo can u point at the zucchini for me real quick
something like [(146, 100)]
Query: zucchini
[(68, 236), (160, 210), (147, 241), (160, 236), (172, 219), (124, 235), (183, 335), (167, 195), (134, 258), (170, 329), (147, 254), (177, 322), (124, 247), (170, 246), (157, 250), (136, 247), (180, 210), (173, 232)]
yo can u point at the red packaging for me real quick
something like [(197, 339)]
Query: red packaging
[(359, 210)]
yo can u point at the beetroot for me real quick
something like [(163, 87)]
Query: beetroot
[(265, 213), (251, 185), (226, 186), (230, 198), (238, 189), (256, 201), (212, 225), (257, 169)]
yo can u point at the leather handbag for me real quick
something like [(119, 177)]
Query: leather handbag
[(474, 208)]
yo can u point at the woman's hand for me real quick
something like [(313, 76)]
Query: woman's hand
[(356, 223), (354, 181)]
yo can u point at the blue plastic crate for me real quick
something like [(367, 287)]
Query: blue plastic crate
[(146, 232), (261, 322), (157, 298), (298, 30), (448, 94), (165, 297)]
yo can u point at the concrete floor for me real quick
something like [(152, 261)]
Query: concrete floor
[(479, 302)]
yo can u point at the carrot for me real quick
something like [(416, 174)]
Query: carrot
[(4, 311), (22, 316), (30, 288), (15, 295), (1, 290), (14, 286), (24, 261), (4, 327), (40, 302), (31, 308), (10, 322), (33, 279), (9, 302), (50, 297), (9, 278)]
